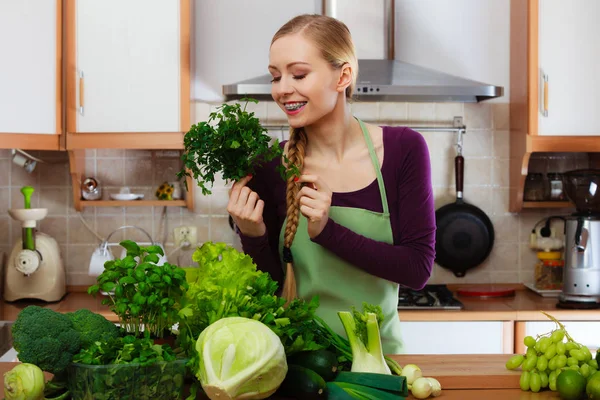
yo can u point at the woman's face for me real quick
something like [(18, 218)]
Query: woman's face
[(304, 85)]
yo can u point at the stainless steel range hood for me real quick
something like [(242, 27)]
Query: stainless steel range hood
[(386, 80)]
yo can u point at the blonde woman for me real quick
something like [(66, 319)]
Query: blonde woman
[(360, 220)]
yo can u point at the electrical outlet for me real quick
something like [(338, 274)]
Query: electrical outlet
[(183, 234)]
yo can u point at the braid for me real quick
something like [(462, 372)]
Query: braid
[(295, 154)]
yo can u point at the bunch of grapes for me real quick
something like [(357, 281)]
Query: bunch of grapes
[(549, 354)]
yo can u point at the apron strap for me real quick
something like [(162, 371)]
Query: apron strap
[(375, 162)]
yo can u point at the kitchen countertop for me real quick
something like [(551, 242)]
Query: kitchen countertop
[(495, 364), (524, 306)]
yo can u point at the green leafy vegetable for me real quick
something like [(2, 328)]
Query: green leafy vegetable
[(143, 294), (362, 330), (240, 358), (92, 327), (127, 368), (232, 142), (24, 382)]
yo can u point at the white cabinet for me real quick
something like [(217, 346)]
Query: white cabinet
[(584, 332), (457, 337), (129, 71), (569, 56), (30, 35)]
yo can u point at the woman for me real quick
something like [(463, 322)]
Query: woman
[(360, 219)]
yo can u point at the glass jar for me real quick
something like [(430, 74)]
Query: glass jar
[(549, 270), (555, 184), (535, 187)]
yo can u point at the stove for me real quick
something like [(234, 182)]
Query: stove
[(431, 297)]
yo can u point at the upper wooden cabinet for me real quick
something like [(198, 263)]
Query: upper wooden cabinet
[(554, 84), (128, 73), (30, 74)]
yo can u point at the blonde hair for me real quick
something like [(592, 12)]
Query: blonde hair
[(332, 37)]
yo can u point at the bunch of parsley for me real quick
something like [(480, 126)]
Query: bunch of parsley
[(232, 142)]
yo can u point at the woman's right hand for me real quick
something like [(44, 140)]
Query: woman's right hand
[(246, 209)]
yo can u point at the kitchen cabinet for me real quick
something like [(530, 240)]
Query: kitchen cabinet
[(127, 73), (554, 88), (30, 74), (584, 332), (458, 337)]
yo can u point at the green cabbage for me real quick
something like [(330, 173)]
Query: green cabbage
[(24, 382), (240, 358)]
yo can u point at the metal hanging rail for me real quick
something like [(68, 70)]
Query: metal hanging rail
[(457, 126)]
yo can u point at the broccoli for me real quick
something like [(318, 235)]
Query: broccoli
[(92, 327), (45, 338)]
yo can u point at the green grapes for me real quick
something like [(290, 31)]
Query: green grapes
[(547, 356)]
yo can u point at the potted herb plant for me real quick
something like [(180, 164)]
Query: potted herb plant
[(144, 295)]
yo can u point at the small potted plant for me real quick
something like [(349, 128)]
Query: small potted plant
[(144, 295)]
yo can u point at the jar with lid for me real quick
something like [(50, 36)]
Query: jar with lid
[(549, 270), (535, 187), (556, 186)]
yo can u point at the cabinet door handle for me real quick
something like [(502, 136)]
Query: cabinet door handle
[(544, 108), (81, 86)]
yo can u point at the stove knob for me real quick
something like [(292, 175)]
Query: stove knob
[(27, 262)]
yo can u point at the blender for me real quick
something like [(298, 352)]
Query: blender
[(581, 274)]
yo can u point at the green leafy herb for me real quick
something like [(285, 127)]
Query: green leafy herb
[(143, 294), (232, 142), (127, 368)]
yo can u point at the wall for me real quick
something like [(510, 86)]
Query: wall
[(485, 149)]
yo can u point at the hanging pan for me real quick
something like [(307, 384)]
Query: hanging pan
[(465, 235)]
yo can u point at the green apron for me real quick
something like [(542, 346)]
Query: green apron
[(339, 284)]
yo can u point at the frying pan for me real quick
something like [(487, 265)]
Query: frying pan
[(465, 235)]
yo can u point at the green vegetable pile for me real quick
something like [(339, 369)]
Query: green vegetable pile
[(232, 142)]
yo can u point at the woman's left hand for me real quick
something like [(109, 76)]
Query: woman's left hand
[(315, 200)]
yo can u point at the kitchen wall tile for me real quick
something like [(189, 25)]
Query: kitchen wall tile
[(5, 196), (220, 231), (501, 145), (77, 233), (4, 230), (443, 196), (201, 112), (445, 112), (110, 172), (106, 224), (55, 227), (79, 256), (480, 196), (165, 170), (501, 116), (218, 202), (478, 116), (110, 153), (500, 172), (504, 277), (202, 223), (16, 231), (478, 143), (527, 221), (5, 172), (142, 222), (79, 279), (500, 200), (275, 114), (54, 174), (368, 112), (20, 177), (421, 113), (506, 227), (504, 257), (478, 171), (393, 113), (138, 154), (5, 153), (139, 172)]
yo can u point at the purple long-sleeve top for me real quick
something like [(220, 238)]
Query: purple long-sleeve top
[(406, 172)]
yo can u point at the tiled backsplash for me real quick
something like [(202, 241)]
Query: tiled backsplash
[(486, 151)]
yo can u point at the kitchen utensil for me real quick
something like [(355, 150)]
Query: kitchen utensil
[(90, 189), (126, 196), (581, 273), (465, 234), (35, 269)]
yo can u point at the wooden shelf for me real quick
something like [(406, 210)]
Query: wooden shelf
[(132, 203), (126, 140), (77, 168), (548, 204)]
